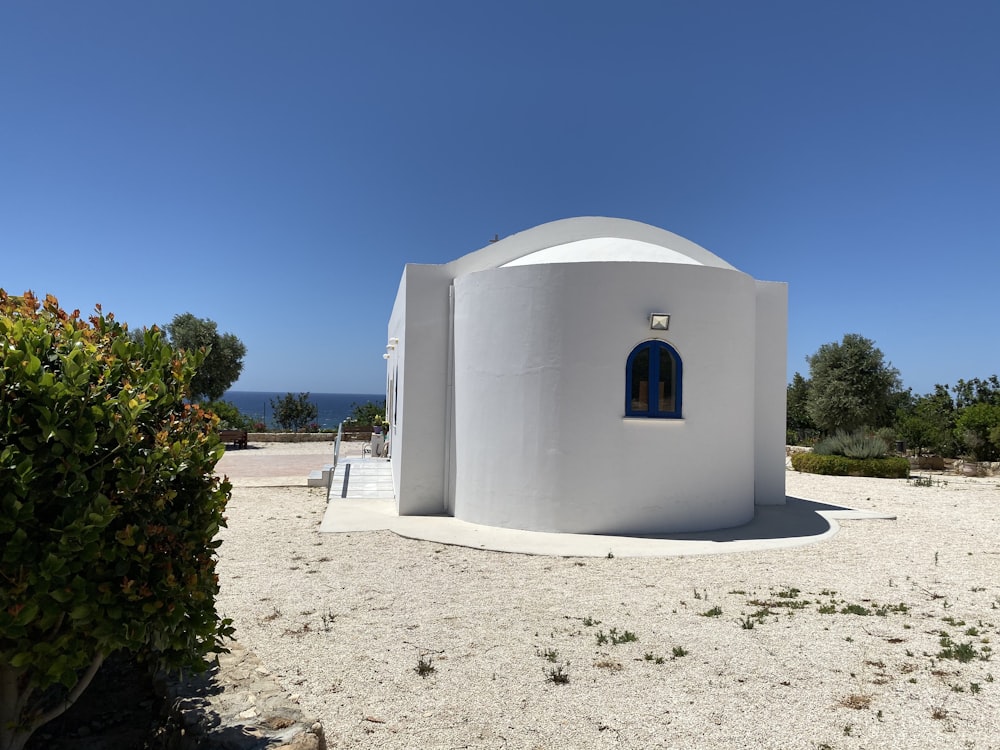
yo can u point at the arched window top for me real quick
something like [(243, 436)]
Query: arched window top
[(653, 375)]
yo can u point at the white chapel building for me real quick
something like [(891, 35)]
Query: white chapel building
[(590, 375)]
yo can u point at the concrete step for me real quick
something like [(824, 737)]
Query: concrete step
[(320, 477)]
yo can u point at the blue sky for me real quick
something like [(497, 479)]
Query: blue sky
[(272, 166)]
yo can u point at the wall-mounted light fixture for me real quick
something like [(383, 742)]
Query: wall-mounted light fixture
[(394, 340), (385, 356), (390, 347), (659, 321)]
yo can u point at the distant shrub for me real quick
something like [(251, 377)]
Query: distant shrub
[(852, 445), (888, 436), (893, 467), (368, 413), (230, 417)]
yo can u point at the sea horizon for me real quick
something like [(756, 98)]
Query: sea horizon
[(333, 408)]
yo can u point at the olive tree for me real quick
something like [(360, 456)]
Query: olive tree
[(851, 385), (223, 361), (109, 508)]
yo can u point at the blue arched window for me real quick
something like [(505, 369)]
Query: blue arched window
[(653, 376)]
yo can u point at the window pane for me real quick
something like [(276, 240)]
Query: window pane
[(666, 382), (640, 381)]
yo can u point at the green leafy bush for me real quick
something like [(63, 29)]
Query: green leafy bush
[(109, 508), (894, 467), (366, 414)]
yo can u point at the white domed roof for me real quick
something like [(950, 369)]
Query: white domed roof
[(603, 249), (587, 239)]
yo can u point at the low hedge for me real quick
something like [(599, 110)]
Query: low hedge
[(894, 467)]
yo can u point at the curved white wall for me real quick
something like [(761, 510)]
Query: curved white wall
[(541, 441)]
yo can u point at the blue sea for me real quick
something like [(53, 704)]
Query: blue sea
[(333, 407)]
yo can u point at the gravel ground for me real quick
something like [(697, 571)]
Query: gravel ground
[(881, 637)]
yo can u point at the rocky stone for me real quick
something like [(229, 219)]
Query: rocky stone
[(235, 705)]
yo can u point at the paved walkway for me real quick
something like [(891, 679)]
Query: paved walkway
[(254, 467), (797, 523)]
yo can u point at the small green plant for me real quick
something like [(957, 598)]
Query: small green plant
[(557, 675), (715, 611), (602, 638), (789, 593), (425, 666), (760, 614), (679, 651), (855, 609), (650, 656), (827, 609), (960, 652), (549, 653), (590, 622), (749, 622), (617, 638), (974, 688)]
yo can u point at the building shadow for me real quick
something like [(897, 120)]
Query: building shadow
[(796, 518)]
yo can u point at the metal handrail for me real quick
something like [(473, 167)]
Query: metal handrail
[(336, 455)]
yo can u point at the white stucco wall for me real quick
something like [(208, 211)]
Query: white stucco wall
[(420, 321), (541, 438), (769, 374)]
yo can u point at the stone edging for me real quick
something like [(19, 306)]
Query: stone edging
[(292, 437), (235, 705)]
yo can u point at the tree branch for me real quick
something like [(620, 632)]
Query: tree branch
[(74, 694)]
